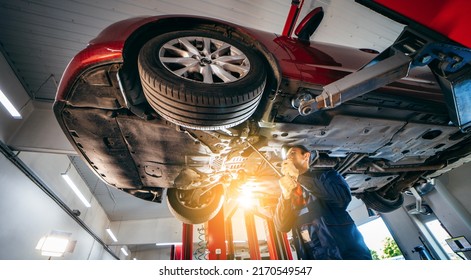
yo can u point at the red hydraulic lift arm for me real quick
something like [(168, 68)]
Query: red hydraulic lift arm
[(293, 14)]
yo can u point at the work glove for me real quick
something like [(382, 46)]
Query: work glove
[(287, 185), (288, 169)]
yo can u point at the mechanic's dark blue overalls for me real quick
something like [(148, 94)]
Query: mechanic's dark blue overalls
[(322, 228)]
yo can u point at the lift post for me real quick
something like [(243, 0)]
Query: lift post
[(272, 243), (176, 252), (252, 238), (277, 242), (287, 247), (187, 242), (217, 237), (230, 240)]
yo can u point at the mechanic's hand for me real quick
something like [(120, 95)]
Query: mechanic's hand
[(287, 185), (288, 169)]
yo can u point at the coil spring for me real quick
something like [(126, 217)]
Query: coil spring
[(201, 253)]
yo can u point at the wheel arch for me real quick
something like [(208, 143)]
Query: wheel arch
[(140, 36)]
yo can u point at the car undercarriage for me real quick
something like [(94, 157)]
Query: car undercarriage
[(197, 114), (382, 144)]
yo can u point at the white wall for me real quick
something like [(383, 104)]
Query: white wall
[(48, 167), (41, 132), (27, 214), (153, 254), (163, 230), (351, 24), (12, 88)]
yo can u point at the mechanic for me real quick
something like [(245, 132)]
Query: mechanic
[(313, 205)]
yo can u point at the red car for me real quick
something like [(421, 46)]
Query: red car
[(201, 108)]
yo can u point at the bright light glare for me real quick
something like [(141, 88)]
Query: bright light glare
[(52, 246), (110, 233), (246, 198), (76, 190), (10, 108), (124, 251)]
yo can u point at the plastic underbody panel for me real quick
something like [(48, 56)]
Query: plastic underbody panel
[(394, 134)]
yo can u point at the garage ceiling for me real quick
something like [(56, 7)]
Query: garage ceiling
[(39, 38)]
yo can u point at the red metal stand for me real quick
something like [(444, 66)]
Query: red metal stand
[(187, 242), (274, 248), (254, 249), (277, 242), (176, 252), (230, 240), (272, 242), (287, 246), (217, 237), (219, 230)]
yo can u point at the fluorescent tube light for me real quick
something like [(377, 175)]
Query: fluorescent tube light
[(110, 233), (124, 251), (76, 190), (167, 243), (10, 108)]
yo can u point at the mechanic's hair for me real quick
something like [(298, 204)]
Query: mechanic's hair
[(301, 147), (314, 154)]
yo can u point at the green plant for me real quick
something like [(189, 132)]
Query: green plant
[(374, 255), (390, 249)]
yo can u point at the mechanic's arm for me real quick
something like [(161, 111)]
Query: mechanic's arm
[(288, 205)]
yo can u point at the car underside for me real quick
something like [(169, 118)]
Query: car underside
[(149, 128)]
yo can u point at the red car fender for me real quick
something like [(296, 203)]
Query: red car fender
[(322, 63), (93, 54)]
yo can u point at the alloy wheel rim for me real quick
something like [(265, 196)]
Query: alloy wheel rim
[(205, 60)]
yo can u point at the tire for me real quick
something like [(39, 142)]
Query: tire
[(375, 201), (192, 207), (195, 86)]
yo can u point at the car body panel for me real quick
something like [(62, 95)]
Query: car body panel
[(449, 18)]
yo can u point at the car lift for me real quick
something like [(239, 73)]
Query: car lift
[(416, 46), (449, 63), (220, 228), (220, 232), (220, 243)]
